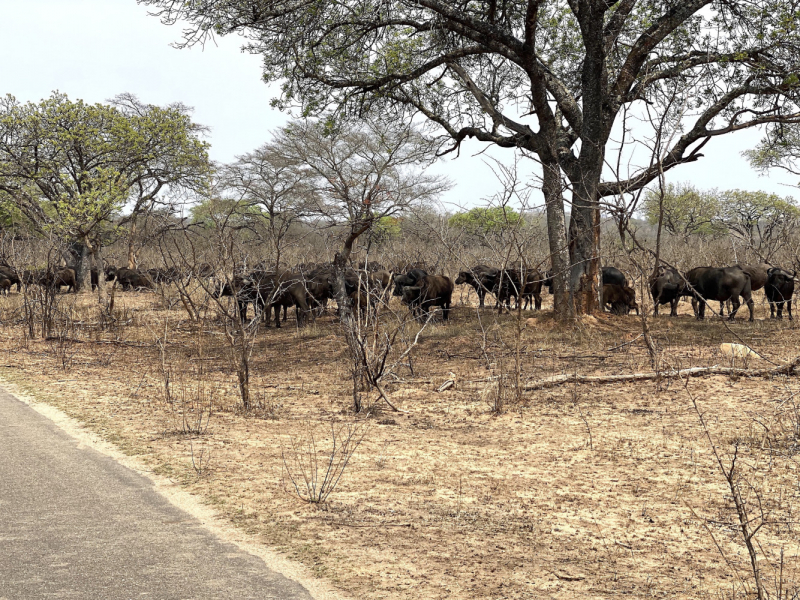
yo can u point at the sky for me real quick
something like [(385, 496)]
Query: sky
[(96, 49)]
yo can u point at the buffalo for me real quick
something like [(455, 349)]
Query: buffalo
[(9, 273), (507, 285), (60, 278), (130, 279), (720, 284), (613, 276), (779, 290), (532, 289), (480, 277), (666, 287), (758, 279), (267, 291), (409, 279), (429, 291), (621, 298)]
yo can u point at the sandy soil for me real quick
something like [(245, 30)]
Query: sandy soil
[(579, 491)]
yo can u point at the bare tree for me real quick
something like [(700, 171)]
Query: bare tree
[(276, 188)]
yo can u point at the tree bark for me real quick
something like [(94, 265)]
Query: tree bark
[(563, 306), (131, 240), (83, 266)]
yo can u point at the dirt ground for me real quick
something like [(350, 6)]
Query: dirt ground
[(577, 491)]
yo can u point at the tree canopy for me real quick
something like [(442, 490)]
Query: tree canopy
[(548, 77), (73, 168), (486, 221)]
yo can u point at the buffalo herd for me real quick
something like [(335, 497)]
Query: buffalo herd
[(309, 287)]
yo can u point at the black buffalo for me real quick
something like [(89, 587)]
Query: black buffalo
[(481, 277), (621, 298), (613, 276), (268, 291), (63, 277), (720, 284), (666, 287), (10, 273), (130, 279), (409, 279), (779, 290), (429, 291)]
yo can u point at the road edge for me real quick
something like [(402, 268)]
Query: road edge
[(211, 520)]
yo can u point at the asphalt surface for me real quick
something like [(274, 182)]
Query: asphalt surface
[(74, 523)]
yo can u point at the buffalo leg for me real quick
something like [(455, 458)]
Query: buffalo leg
[(789, 309), (538, 301), (736, 305), (277, 315)]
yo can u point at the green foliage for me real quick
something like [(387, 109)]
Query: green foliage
[(219, 212), (687, 210), (71, 168), (485, 221), (779, 148)]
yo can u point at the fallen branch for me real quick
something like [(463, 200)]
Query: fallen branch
[(549, 382)]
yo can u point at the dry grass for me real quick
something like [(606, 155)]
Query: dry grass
[(574, 492)]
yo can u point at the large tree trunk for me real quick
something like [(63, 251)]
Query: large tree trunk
[(557, 237), (584, 254), (97, 265), (83, 266), (584, 226)]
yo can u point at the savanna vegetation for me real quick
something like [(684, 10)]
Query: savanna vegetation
[(293, 336)]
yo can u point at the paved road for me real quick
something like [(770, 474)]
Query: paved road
[(76, 524)]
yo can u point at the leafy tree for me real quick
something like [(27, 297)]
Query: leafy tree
[(547, 77), (485, 221), (779, 149), (224, 212), (687, 210), (72, 168), (762, 221)]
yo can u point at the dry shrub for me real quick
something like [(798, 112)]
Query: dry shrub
[(314, 473)]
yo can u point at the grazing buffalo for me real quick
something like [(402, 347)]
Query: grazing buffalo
[(409, 279), (480, 277), (429, 291), (130, 279), (9, 273), (362, 301), (60, 278), (165, 276), (666, 287), (379, 280), (621, 298), (720, 284), (779, 290)]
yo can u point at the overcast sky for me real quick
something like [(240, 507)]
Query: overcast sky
[(95, 49)]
